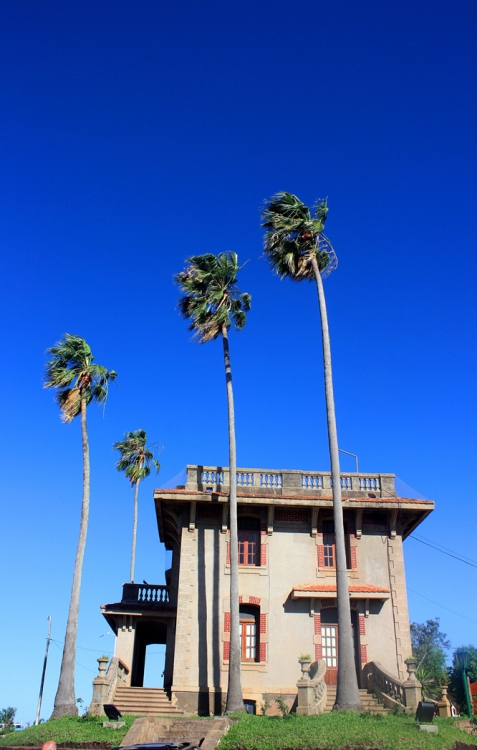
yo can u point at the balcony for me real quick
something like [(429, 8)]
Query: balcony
[(146, 595), (288, 482)]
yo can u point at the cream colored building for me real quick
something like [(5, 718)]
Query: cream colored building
[(287, 583)]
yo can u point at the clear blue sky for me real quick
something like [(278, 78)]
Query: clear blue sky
[(137, 133)]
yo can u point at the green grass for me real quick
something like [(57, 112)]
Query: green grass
[(339, 730), (69, 729)]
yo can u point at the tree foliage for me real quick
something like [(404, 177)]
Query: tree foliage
[(135, 458), (7, 718), (291, 234), (429, 646), (211, 297), (72, 371)]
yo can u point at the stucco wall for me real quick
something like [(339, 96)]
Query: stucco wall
[(291, 559)]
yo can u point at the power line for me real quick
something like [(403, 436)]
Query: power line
[(442, 605), (456, 557), (421, 536)]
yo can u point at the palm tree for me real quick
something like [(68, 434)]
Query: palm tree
[(136, 462), (213, 303), (79, 382), (294, 245)]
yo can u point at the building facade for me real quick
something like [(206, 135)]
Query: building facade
[(287, 583)]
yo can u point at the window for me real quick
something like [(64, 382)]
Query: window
[(329, 548), (249, 632), (329, 545), (249, 541)]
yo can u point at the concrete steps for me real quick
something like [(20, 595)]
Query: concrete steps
[(370, 703), (196, 731), (144, 702)]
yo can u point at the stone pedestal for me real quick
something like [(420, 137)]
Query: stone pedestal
[(443, 705), (412, 687)]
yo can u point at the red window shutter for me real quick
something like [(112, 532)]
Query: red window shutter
[(226, 650), (263, 623), (318, 652), (263, 652), (227, 561), (321, 556), (226, 622), (364, 655), (362, 625), (354, 562), (317, 624)]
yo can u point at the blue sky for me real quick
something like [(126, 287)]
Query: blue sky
[(136, 134)]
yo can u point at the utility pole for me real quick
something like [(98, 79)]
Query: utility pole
[(37, 718)]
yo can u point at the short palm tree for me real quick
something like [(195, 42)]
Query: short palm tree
[(78, 382), (213, 303), (294, 243), (135, 462)]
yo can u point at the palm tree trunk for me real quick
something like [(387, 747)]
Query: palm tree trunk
[(347, 693), (133, 551), (65, 703), (234, 689)]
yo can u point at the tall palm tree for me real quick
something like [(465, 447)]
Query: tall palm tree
[(213, 303), (135, 462), (293, 243), (78, 382)]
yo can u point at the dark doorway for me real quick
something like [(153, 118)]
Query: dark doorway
[(147, 633)]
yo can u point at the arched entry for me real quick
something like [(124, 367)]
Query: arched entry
[(329, 642)]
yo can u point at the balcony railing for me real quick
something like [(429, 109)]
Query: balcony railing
[(272, 481), (146, 594)]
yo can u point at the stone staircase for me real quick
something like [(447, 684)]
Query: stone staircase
[(144, 702), (202, 732), (370, 703)]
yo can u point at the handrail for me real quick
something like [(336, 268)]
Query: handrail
[(312, 691), (147, 594), (387, 687)]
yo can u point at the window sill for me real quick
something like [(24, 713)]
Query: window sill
[(331, 573), (249, 666), (261, 570)]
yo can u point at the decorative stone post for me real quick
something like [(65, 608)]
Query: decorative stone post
[(412, 687), (306, 693), (101, 685), (443, 704)]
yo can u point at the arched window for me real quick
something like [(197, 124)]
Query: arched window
[(248, 541), (249, 632)]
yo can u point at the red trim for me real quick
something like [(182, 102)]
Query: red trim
[(321, 556), (254, 600), (263, 623), (226, 622), (362, 625), (317, 624), (227, 560), (364, 655), (240, 600), (354, 562), (318, 652), (263, 652), (263, 554), (226, 650)]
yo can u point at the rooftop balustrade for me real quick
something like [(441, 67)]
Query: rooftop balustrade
[(288, 482)]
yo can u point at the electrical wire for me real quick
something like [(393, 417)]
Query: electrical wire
[(456, 557), (442, 605)]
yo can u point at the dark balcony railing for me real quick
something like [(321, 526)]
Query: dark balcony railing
[(146, 594)]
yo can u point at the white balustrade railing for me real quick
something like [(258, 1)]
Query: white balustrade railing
[(212, 477), (369, 483), (270, 480), (244, 479), (346, 483), (311, 482)]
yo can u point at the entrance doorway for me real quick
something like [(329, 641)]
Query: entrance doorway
[(329, 642)]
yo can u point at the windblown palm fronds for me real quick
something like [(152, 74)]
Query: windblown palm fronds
[(73, 373), (136, 459), (211, 298), (291, 236)]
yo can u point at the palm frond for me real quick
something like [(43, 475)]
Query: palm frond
[(211, 298), (72, 371), (135, 459), (291, 235)]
